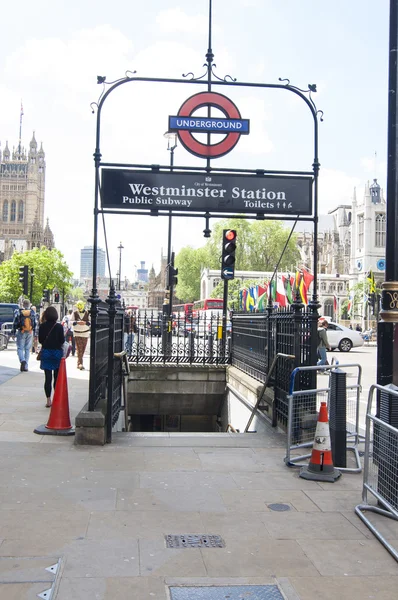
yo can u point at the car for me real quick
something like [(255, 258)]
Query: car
[(7, 312), (342, 337)]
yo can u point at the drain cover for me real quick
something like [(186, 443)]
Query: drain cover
[(194, 541), (233, 592), (279, 507)]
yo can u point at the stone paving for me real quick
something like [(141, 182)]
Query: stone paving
[(101, 514)]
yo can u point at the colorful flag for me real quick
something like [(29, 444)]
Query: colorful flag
[(350, 304), (288, 288), (371, 280), (250, 301), (303, 291), (262, 302), (280, 292), (272, 289), (308, 278)]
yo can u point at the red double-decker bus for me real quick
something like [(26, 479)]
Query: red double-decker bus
[(208, 304), (183, 309)]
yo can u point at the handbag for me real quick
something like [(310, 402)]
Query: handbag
[(67, 349), (38, 355)]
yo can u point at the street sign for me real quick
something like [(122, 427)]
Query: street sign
[(228, 273), (199, 192), (231, 127)]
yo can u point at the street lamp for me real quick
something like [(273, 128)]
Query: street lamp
[(120, 247), (171, 146)]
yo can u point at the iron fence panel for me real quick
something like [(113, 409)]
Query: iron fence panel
[(380, 477)]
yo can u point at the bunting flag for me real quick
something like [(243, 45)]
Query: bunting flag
[(371, 280)]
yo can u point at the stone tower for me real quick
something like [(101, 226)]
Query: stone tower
[(22, 194)]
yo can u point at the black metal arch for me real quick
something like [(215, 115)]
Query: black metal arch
[(210, 79)]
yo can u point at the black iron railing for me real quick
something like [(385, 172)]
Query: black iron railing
[(181, 340), (258, 337)]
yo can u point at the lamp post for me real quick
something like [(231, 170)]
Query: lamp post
[(168, 308), (120, 247)]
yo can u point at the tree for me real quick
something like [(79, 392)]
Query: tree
[(258, 248), (50, 271), (190, 263)]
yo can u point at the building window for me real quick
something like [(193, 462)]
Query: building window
[(361, 225), (380, 231), (20, 212), (328, 308), (13, 215), (5, 211)]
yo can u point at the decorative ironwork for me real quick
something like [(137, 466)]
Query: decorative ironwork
[(194, 340), (198, 350)]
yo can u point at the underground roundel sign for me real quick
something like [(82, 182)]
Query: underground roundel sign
[(185, 123)]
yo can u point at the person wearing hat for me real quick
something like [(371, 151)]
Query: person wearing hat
[(323, 342), (81, 330)]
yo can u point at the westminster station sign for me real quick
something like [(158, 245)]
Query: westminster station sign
[(199, 192)]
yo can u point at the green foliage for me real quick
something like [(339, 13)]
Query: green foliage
[(259, 246), (190, 263), (50, 271)]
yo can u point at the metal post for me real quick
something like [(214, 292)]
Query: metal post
[(111, 301), (338, 417), (387, 336), (224, 318), (120, 247)]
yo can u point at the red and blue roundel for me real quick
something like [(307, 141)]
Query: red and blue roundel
[(232, 127)]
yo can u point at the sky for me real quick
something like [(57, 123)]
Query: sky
[(51, 54)]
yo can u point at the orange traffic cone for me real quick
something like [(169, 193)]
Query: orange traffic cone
[(59, 420), (320, 467)]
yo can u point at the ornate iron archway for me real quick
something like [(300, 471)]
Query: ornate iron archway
[(210, 80)]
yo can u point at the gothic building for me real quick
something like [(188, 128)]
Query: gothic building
[(351, 242), (22, 193)]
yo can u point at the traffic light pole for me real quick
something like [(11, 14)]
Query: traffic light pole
[(31, 284), (224, 314)]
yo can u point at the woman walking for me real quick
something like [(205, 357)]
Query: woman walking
[(51, 338), (81, 330)]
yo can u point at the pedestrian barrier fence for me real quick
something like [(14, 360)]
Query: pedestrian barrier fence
[(303, 409), (380, 474)]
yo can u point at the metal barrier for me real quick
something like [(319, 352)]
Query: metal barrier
[(303, 409), (380, 475)]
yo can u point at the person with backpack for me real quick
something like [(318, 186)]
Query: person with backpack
[(23, 327)]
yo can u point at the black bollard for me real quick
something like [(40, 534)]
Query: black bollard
[(338, 417)]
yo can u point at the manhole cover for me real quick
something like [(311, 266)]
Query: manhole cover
[(233, 592), (194, 541), (279, 507)]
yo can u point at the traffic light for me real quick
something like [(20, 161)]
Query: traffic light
[(23, 279), (372, 301), (172, 276), (56, 297), (228, 254), (46, 295)]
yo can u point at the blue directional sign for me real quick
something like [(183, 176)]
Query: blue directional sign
[(228, 273), (209, 125)]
